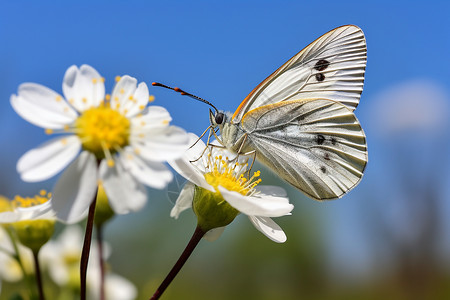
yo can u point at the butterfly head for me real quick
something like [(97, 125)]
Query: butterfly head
[(217, 118)]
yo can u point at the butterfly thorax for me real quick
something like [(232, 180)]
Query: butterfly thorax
[(234, 137)]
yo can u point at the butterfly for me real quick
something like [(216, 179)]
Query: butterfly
[(299, 121)]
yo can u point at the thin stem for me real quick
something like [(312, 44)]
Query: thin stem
[(37, 271), (87, 247), (19, 260), (195, 239), (100, 255)]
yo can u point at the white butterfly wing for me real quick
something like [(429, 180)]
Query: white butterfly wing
[(331, 67), (317, 145)]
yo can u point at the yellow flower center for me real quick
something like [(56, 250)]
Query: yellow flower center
[(24, 202), (231, 177), (103, 130), (211, 208)]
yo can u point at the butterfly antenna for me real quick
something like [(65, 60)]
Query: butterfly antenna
[(178, 90)]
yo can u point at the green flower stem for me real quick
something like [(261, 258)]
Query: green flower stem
[(19, 260), (99, 229), (195, 239), (37, 271), (87, 248)]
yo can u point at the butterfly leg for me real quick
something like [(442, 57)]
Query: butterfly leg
[(211, 132), (199, 138)]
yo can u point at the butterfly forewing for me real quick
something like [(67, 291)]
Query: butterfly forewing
[(317, 145), (331, 67)]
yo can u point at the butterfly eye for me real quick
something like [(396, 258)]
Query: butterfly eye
[(219, 118)]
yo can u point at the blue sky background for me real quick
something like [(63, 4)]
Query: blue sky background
[(220, 50)]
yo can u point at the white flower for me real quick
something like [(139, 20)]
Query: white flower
[(214, 172), (10, 269), (38, 207), (62, 258), (123, 142)]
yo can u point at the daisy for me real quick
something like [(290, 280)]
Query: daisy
[(219, 190), (27, 209), (62, 258), (113, 139), (10, 268), (32, 221)]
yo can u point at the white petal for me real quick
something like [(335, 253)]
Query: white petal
[(84, 87), (41, 211), (140, 101), (261, 205), (153, 174), (122, 92), (214, 234), (197, 154), (184, 200), (48, 159), (119, 288), (191, 165), (272, 190), (125, 193), (151, 117), (9, 217), (191, 173), (162, 145), (269, 228), (42, 106), (76, 189)]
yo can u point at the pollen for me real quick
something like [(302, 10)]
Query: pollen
[(102, 131), (117, 78), (94, 80), (48, 131), (108, 97), (24, 202), (58, 98), (110, 163), (151, 98), (230, 176)]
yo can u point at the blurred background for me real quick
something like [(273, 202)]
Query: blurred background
[(388, 238)]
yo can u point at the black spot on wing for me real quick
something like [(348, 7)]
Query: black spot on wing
[(326, 156), (323, 169), (333, 141), (320, 139), (320, 77), (321, 65)]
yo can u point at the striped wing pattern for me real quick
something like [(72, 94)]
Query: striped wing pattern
[(331, 67), (317, 145)]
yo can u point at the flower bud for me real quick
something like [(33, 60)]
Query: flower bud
[(212, 210), (34, 233)]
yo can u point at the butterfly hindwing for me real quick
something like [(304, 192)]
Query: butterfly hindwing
[(331, 67), (317, 145)]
